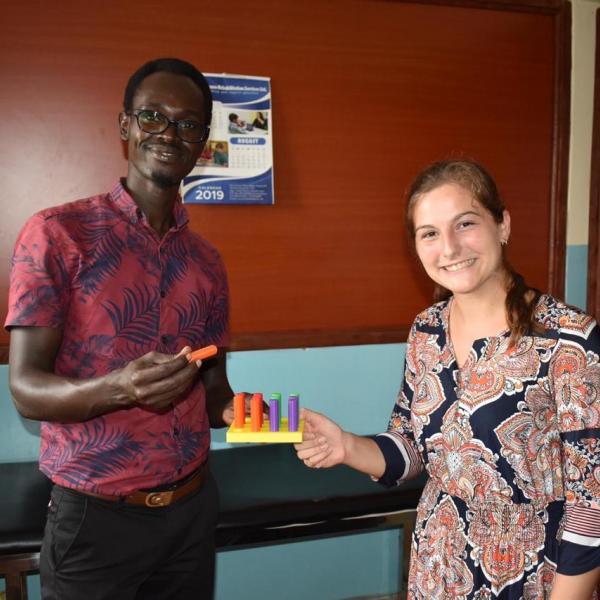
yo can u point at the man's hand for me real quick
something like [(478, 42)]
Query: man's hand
[(219, 395), (154, 381)]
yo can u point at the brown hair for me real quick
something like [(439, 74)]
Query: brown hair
[(521, 299)]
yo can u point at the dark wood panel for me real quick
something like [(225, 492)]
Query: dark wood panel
[(365, 93)]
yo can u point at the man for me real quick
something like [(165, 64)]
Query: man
[(108, 297)]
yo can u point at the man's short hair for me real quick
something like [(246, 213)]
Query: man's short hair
[(169, 65)]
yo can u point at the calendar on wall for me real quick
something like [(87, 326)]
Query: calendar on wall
[(236, 165)]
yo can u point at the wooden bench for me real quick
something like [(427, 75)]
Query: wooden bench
[(267, 497)]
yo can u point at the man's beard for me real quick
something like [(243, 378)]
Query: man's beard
[(164, 181)]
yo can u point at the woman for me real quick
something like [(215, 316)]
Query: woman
[(500, 404)]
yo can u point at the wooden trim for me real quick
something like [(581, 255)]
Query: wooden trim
[(15, 568), (310, 339), (549, 7), (560, 154), (275, 340), (593, 290)]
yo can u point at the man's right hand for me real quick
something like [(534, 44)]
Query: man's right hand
[(154, 381)]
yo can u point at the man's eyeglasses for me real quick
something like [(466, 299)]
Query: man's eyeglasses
[(154, 122)]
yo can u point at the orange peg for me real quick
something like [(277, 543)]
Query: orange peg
[(203, 353), (239, 411), (256, 412)]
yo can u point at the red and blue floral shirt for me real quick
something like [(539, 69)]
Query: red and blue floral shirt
[(97, 270)]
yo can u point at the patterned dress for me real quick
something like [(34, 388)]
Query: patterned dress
[(511, 443)]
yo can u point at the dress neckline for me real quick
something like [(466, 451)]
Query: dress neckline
[(477, 342)]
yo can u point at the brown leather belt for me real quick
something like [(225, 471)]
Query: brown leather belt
[(159, 498)]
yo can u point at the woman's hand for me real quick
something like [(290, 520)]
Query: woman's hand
[(323, 441)]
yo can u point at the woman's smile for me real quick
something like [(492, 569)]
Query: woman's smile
[(459, 266)]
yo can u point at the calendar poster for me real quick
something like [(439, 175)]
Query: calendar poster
[(236, 166)]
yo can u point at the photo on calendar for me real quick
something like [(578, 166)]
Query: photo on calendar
[(236, 164)]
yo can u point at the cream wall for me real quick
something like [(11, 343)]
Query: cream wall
[(582, 101)]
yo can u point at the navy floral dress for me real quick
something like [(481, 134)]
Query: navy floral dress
[(511, 443)]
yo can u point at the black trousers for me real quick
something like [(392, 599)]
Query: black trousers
[(100, 550)]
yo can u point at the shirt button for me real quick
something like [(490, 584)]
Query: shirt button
[(163, 293), (163, 339), (175, 432)]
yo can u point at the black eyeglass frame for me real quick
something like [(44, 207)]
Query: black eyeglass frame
[(169, 123)]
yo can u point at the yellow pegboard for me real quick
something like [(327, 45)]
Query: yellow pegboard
[(236, 435)]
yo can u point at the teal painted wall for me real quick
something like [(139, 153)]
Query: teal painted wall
[(19, 438), (576, 275), (329, 569), (357, 386)]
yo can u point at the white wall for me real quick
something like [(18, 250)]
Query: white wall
[(582, 104)]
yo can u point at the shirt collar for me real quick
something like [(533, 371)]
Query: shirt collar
[(126, 204)]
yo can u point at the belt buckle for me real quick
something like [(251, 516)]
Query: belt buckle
[(156, 499)]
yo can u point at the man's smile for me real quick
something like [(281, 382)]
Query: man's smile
[(163, 152)]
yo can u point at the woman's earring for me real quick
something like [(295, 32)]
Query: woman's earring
[(503, 242)]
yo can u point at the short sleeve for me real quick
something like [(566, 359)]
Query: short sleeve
[(575, 380), (402, 458), (39, 289)]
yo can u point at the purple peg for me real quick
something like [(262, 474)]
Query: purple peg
[(293, 410), (273, 415)]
